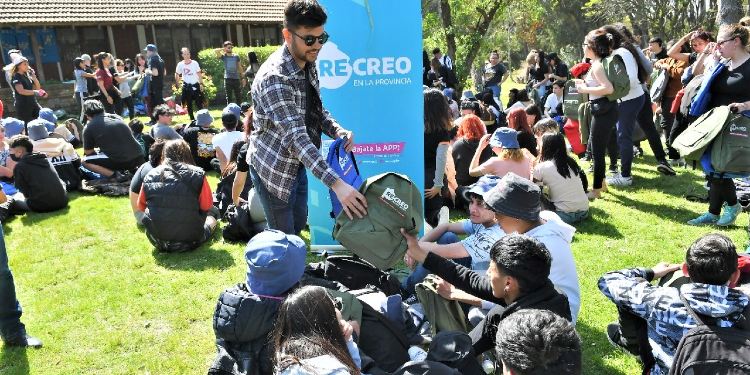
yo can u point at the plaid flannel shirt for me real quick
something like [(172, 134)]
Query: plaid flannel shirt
[(280, 140)]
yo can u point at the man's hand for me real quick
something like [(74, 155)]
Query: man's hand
[(432, 192), (352, 201), (416, 252), (349, 145), (444, 288), (664, 268)]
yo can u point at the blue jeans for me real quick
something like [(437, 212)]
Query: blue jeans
[(420, 272), (572, 217), (495, 90), (10, 309), (628, 113), (289, 217)]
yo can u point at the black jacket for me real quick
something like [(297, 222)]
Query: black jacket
[(483, 335), (172, 205), (35, 177)]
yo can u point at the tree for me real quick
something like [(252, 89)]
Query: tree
[(730, 11)]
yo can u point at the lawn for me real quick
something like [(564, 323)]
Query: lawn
[(103, 301)]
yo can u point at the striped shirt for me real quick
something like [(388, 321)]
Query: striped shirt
[(280, 140)]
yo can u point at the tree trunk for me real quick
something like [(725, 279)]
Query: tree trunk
[(444, 11), (729, 11), (482, 25)]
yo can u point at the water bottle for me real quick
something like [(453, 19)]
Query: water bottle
[(488, 365), (417, 354)]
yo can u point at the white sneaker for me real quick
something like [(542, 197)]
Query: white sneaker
[(444, 216), (619, 180)]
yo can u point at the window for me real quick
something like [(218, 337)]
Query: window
[(70, 48)]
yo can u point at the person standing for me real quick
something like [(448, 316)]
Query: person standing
[(252, 68), (192, 82), (124, 77), (495, 74), (141, 67), (445, 60), (232, 71), (110, 94), (287, 133), (26, 89), (656, 50), (81, 90), (156, 71), (12, 331)]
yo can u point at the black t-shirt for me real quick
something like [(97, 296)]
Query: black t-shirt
[(91, 84), (137, 182), (662, 54), (527, 141), (463, 152), (155, 62), (113, 137), (538, 74), (731, 86), (201, 147), (23, 100), (561, 70), (431, 142), (242, 165), (499, 70)]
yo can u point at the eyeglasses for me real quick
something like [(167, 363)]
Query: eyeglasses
[(719, 44), (310, 39)]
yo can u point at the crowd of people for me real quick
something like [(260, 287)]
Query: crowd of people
[(509, 266)]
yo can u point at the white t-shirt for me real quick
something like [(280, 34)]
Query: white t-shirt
[(566, 193), (479, 242), (552, 102), (225, 140), (188, 71), (636, 90)]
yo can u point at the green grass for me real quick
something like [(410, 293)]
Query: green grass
[(103, 301)]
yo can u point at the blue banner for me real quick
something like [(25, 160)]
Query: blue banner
[(371, 81)]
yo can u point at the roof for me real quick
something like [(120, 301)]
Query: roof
[(96, 12)]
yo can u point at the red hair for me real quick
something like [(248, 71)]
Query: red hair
[(471, 127), (517, 121)]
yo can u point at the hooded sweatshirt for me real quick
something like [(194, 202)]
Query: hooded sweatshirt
[(557, 236), (38, 181), (324, 364), (666, 315)]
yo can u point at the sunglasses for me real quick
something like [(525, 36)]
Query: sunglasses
[(310, 39)]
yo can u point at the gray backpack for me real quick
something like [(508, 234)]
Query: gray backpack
[(698, 136)]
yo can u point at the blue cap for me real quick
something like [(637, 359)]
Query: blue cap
[(505, 138), (37, 129), (448, 92), (482, 186), (235, 109), (203, 118), (275, 262), (13, 126), (468, 94), (48, 114), (150, 47)]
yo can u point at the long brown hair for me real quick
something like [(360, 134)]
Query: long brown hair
[(177, 151), (307, 327), (437, 112)]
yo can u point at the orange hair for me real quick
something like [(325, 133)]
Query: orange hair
[(471, 127), (517, 121)]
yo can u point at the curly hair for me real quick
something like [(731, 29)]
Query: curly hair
[(600, 42), (471, 127)]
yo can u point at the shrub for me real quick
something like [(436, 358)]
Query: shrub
[(209, 89), (213, 67)]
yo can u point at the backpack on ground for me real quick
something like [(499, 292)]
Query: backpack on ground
[(240, 227), (730, 150), (355, 273), (572, 100), (345, 165), (382, 341), (659, 85), (710, 349), (393, 202), (617, 74), (443, 315), (692, 142)]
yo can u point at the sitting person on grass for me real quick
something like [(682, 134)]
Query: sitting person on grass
[(561, 175), (538, 342), (176, 201), (154, 159), (518, 279), (199, 137), (474, 250), (712, 266), (509, 157), (144, 140), (163, 129), (229, 136), (35, 179), (60, 154), (119, 153)]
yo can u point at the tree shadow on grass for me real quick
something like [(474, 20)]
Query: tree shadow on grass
[(202, 258), (14, 361), (595, 348), (599, 224), (671, 213)]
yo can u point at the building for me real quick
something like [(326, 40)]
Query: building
[(51, 33)]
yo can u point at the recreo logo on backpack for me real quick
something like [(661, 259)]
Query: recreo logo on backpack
[(389, 195)]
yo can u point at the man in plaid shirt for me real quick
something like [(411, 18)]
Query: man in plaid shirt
[(289, 119)]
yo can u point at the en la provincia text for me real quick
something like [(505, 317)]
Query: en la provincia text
[(370, 78)]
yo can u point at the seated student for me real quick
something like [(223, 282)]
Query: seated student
[(538, 342), (199, 137), (518, 99), (155, 156), (554, 100), (144, 140), (177, 202), (60, 154), (13, 126), (543, 127), (66, 131), (533, 114), (50, 120), (712, 266), (516, 280), (311, 338), (119, 153), (474, 250), (470, 132), (509, 156), (229, 175), (6, 164), (566, 182), (223, 141), (518, 120), (163, 129), (35, 178)]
